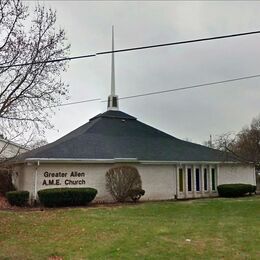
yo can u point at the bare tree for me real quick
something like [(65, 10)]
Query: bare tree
[(245, 145), (121, 181), (29, 93), (37, 143)]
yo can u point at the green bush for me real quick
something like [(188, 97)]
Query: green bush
[(253, 189), (60, 197), (235, 190), (18, 198), (136, 194)]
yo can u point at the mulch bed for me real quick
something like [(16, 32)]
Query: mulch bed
[(4, 203)]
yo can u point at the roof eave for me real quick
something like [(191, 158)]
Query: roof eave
[(118, 160)]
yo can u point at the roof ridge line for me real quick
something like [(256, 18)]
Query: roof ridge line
[(43, 148), (75, 130)]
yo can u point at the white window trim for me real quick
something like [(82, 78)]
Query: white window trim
[(183, 180), (215, 177), (191, 171), (195, 176), (207, 173)]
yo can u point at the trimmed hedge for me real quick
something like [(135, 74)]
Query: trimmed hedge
[(235, 190), (18, 198), (60, 197), (253, 189)]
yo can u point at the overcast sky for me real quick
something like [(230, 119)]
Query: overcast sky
[(191, 114)]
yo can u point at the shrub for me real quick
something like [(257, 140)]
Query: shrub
[(120, 181), (136, 194), (253, 189), (235, 190), (6, 182), (60, 197), (18, 198)]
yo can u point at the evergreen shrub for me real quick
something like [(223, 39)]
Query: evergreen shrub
[(235, 190), (18, 198), (62, 197)]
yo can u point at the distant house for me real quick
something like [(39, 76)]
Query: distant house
[(9, 149)]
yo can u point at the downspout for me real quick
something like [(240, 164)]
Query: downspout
[(177, 182), (255, 176), (36, 181), (176, 191)]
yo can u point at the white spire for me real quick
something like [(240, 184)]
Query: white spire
[(113, 66), (112, 103)]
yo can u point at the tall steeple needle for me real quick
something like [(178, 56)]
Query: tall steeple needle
[(112, 103)]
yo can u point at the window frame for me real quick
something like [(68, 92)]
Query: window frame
[(205, 180), (197, 180), (189, 173), (181, 180), (213, 180)]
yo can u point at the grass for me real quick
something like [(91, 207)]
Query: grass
[(197, 229)]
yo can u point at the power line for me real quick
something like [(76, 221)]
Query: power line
[(163, 91), (181, 42), (75, 103), (133, 49), (69, 103), (190, 87), (48, 61)]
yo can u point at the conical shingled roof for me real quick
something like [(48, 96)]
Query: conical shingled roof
[(115, 134)]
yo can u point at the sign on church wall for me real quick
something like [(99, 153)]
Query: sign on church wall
[(72, 178)]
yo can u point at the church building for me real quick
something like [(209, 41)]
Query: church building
[(170, 168)]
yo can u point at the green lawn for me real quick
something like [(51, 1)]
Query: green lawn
[(217, 229)]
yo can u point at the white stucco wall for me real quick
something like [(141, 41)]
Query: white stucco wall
[(159, 181), (236, 174), (94, 177)]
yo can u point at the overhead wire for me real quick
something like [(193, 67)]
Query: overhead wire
[(191, 87), (141, 48), (163, 91), (133, 49)]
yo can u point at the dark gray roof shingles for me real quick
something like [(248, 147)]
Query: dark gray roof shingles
[(115, 134)]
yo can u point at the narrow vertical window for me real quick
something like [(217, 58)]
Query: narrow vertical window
[(197, 172), (180, 179), (189, 179), (213, 179), (205, 179)]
